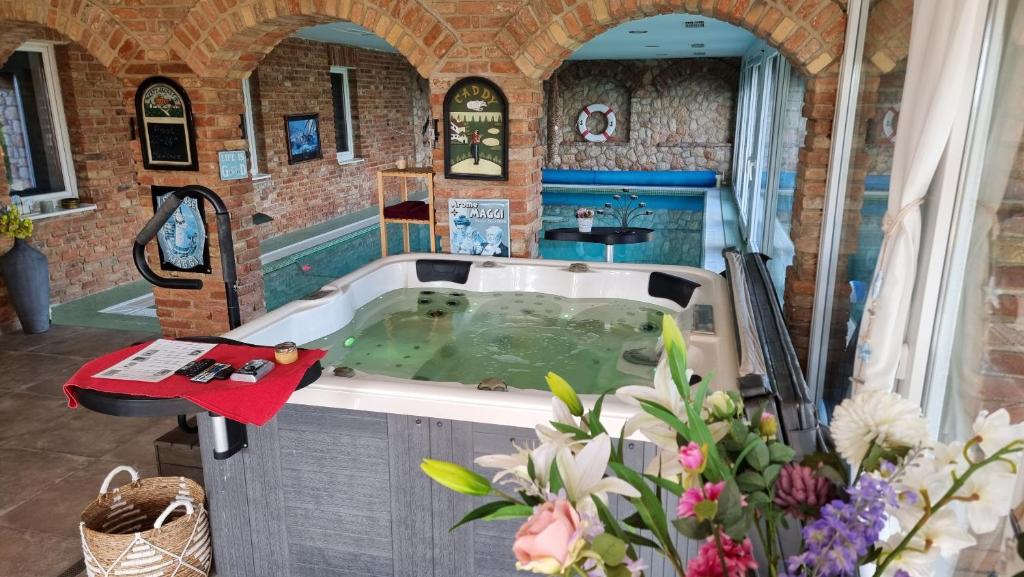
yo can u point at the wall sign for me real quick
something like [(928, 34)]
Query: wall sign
[(889, 120), (476, 131), (302, 133), (233, 164), (166, 128), (478, 227), (182, 241)]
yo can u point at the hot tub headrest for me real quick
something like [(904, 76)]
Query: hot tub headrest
[(676, 289), (696, 178), (456, 271)]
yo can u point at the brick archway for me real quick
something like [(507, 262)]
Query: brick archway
[(85, 23), (538, 38), (218, 44)]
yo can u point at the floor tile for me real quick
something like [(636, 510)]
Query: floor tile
[(21, 342), (82, 432), (88, 343), (24, 369), (24, 474), (32, 554), (24, 415)]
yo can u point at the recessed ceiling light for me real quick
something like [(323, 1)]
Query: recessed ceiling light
[(638, 32), (662, 54), (693, 23), (696, 46), (652, 46), (700, 53)]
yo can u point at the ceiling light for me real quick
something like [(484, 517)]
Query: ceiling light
[(662, 54), (638, 32), (652, 46), (696, 46), (700, 53), (693, 23)]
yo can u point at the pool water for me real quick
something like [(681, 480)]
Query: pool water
[(678, 221), (466, 337)]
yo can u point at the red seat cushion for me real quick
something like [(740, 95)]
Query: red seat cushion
[(408, 210)]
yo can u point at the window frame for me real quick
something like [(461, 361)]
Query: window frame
[(55, 97), (250, 129), (349, 155)]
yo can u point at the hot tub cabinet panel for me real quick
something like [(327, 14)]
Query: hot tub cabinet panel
[(326, 492)]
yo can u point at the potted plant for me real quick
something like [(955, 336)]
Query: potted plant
[(25, 272), (585, 219)]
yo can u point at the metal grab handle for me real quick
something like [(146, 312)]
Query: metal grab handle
[(224, 241)]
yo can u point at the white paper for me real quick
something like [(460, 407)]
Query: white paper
[(156, 362)]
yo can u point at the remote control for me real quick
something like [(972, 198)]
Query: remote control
[(209, 374), (195, 367), (253, 371)]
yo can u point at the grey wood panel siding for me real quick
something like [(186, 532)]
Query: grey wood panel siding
[(334, 476), (266, 500), (228, 499), (411, 500)]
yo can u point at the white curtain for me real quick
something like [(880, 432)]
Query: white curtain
[(937, 64)]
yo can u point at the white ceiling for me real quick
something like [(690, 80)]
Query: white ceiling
[(345, 33), (667, 36)]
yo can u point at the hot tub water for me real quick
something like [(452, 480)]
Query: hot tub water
[(466, 337)]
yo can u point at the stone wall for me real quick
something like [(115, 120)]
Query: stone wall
[(294, 79), (670, 114)]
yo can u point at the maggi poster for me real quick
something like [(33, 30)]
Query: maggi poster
[(478, 227)]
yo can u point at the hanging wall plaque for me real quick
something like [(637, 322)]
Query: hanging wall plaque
[(476, 131), (182, 240), (166, 128)]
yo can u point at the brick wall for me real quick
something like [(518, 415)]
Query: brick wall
[(89, 252), (294, 79), (670, 114)]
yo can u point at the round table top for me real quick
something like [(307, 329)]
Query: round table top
[(602, 234)]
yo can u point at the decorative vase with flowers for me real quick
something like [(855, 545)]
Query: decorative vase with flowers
[(26, 273), (890, 501), (585, 219)]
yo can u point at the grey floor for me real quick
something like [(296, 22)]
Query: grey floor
[(52, 458)]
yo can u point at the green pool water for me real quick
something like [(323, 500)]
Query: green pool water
[(466, 337)]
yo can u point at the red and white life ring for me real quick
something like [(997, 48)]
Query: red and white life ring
[(609, 129)]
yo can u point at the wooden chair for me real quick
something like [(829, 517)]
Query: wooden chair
[(407, 211)]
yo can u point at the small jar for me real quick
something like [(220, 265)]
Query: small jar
[(286, 353)]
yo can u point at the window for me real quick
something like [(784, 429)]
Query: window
[(33, 131), (340, 92), (250, 125)]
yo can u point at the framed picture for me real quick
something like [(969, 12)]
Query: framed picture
[(475, 131), (478, 226), (302, 133), (182, 241), (167, 131)]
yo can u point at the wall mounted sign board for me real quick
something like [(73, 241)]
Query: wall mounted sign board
[(183, 242), (476, 131), (166, 128), (302, 136), (479, 227), (233, 164)]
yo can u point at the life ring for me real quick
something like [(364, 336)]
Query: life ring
[(609, 129)]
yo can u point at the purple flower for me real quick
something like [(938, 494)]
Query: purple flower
[(834, 543)]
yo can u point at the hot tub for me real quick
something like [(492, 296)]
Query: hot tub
[(332, 487)]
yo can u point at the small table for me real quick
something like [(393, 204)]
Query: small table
[(606, 235)]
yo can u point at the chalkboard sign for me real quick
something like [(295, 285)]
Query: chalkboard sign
[(167, 129)]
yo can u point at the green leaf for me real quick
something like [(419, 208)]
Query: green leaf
[(617, 571), (738, 431), (486, 512), (730, 503), (530, 470), (705, 510), (873, 459), (740, 527), (677, 367), (635, 521), (666, 416), (758, 499), (640, 541), (554, 478), (607, 518), (611, 549), (648, 505), (577, 433), (781, 453), (770, 474), (692, 528), (513, 511), (759, 456), (828, 465), (749, 481), (594, 418), (670, 486)]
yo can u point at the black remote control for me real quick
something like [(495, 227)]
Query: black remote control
[(195, 367)]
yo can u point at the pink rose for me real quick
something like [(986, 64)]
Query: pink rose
[(692, 457), (739, 559), (550, 539), (690, 499)]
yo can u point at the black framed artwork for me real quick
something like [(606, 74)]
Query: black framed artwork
[(167, 130), (182, 241), (475, 131), (302, 137)]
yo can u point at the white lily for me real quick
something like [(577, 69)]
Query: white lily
[(664, 393), (560, 413), (943, 530), (514, 469), (996, 432), (914, 561), (583, 474), (986, 497)]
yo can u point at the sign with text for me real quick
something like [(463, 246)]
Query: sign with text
[(233, 164), (478, 226)]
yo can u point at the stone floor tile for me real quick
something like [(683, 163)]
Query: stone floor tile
[(25, 414), (82, 432), (21, 370), (24, 474), (32, 554)]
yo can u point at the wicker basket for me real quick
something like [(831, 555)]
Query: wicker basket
[(153, 527)]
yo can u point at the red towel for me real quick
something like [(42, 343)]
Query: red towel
[(250, 403)]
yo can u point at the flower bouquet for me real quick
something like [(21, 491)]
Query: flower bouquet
[(888, 502)]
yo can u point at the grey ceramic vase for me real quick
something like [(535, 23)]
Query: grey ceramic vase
[(27, 277)]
